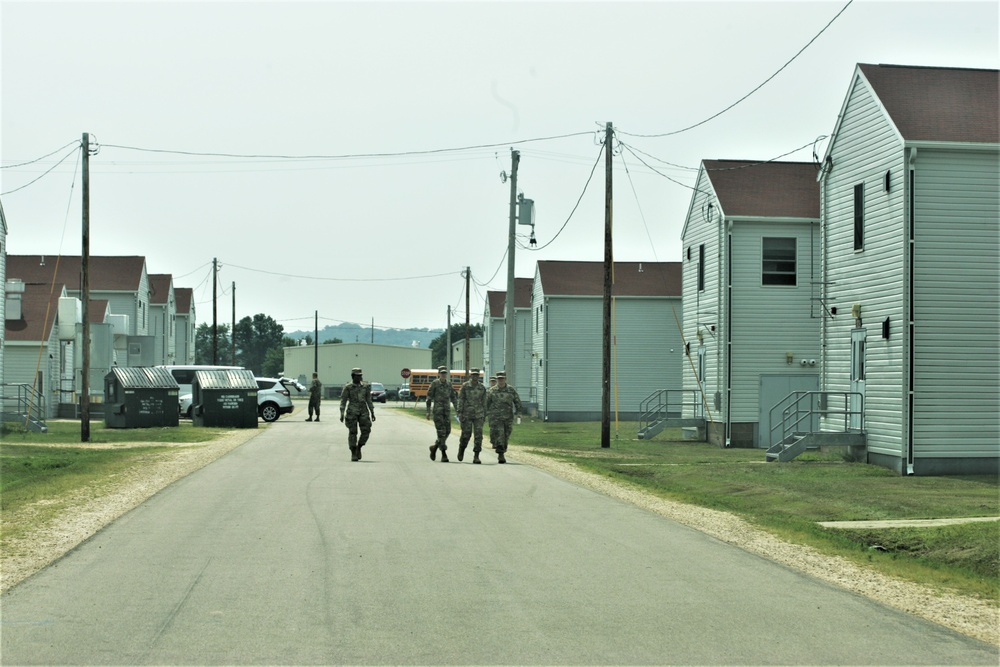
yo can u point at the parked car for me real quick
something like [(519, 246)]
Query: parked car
[(379, 393), (405, 395), (273, 398)]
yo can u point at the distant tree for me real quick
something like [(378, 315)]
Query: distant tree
[(203, 346), (332, 341), (439, 346), (274, 362), (253, 338)]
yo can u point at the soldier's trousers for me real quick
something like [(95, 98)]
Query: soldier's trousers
[(500, 433), (442, 424), (313, 407), (470, 425), (352, 422)]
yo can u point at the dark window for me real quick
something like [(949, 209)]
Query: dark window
[(701, 267), (859, 216), (777, 261)]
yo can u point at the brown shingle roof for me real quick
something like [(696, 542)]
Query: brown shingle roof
[(630, 278), (107, 274), (39, 306), (765, 190), (183, 296), (939, 103), (497, 300), (159, 288)]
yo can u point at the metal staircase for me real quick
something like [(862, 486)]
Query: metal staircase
[(806, 420), (664, 409), (20, 403)]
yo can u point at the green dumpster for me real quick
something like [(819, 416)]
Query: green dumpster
[(226, 398), (140, 397)]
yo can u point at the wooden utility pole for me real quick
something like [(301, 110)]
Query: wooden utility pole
[(316, 341), (609, 278), (447, 339), (234, 323), (508, 346), (85, 295), (468, 273), (215, 313)]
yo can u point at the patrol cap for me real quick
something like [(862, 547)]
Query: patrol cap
[(474, 371), (355, 371), (442, 369), (501, 375)]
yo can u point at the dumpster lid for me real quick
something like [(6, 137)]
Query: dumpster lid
[(225, 379), (143, 377)]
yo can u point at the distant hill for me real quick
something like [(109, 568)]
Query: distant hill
[(355, 333)]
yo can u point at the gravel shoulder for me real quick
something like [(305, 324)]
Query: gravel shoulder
[(25, 556)]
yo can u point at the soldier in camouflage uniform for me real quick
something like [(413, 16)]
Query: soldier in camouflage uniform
[(356, 405), (502, 403), (440, 397), (471, 413), (315, 397)]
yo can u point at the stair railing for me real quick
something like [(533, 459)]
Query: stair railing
[(804, 406)]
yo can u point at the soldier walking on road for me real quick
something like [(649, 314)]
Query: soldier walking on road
[(315, 396), (440, 397), (502, 403), (356, 405), (471, 413)]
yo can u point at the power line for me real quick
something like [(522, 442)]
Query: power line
[(45, 173), (639, 206), (358, 280), (766, 81), (246, 156), (38, 159), (577, 205)]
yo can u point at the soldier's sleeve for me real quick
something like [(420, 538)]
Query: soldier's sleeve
[(517, 401), (462, 398), (368, 398), (345, 394)]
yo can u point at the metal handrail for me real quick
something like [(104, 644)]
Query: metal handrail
[(658, 404), (800, 406), (26, 402)]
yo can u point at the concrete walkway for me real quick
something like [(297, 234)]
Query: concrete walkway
[(906, 523)]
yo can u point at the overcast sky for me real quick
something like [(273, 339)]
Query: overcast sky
[(382, 224)]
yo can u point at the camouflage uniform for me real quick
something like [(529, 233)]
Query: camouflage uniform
[(440, 397), (502, 403), (315, 396), (355, 406), (472, 412)]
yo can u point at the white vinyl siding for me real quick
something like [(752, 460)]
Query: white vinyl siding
[(647, 355), (538, 348), (703, 308), (21, 359), (865, 147), (769, 321), (956, 313)]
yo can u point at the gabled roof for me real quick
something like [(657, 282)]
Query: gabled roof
[(939, 103), (159, 288), (765, 189), (97, 311), (183, 298), (654, 279), (39, 306), (107, 274), (497, 300)]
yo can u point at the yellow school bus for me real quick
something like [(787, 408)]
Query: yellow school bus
[(421, 378)]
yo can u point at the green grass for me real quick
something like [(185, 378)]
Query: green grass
[(789, 499), (68, 432)]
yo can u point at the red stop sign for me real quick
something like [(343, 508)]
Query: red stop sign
[(405, 373)]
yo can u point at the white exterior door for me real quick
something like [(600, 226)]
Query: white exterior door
[(699, 410), (858, 338)]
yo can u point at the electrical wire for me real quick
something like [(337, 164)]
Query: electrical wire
[(766, 81), (45, 173), (432, 151), (577, 205), (358, 280), (639, 206), (38, 159), (499, 266)]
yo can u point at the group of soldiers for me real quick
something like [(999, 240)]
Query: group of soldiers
[(474, 404)]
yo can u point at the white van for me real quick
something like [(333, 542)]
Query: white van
[(184, 375)]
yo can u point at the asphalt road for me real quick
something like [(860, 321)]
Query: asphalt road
[(286, 552)]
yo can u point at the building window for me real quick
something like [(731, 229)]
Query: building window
[(859, 216), (701, 268), (777, 261)]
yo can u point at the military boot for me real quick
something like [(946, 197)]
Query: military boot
[(500, 458), (444, 456), (475, 457), (434, 449), (461, 451), (354, 454)]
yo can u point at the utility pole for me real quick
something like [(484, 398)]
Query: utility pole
[(316, 341), (85, 290), (609, 278), (447, 354), (215, 313), (508, 347), (234, 324), (373, 331), (468, 273)]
